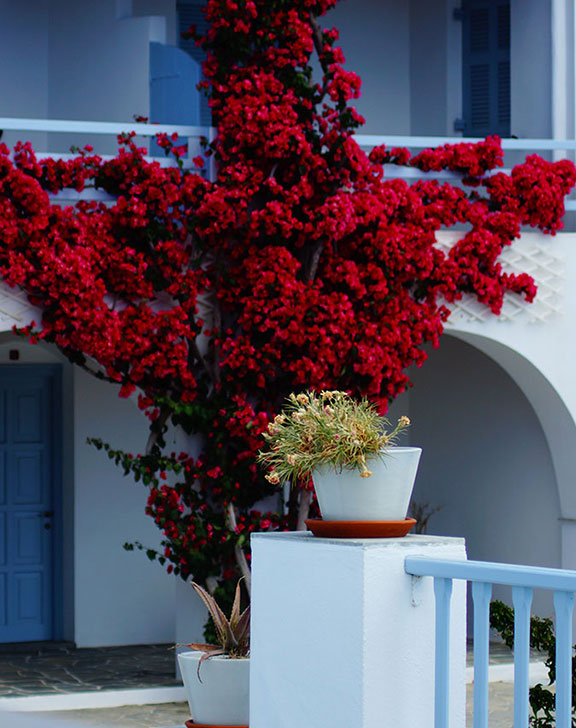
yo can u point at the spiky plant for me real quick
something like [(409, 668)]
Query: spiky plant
[(326, 428), (233, 634)]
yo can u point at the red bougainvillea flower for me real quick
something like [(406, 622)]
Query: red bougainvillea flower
[(299, 266)]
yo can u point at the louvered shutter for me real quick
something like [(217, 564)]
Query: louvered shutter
[(190, 13), (486, 67)]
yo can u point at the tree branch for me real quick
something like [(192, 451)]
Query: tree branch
[(239, 554), (318, 39), (303, 508), (157, 427), (197, 356), (314, 261)]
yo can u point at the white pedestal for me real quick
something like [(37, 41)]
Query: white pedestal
[(342, 637)]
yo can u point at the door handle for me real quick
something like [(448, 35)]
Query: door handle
[(48, 514)]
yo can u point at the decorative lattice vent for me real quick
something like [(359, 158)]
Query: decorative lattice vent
[(15, 310), (533, 255)]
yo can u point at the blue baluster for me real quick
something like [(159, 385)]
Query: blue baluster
[(522, 597), (442, 592), (481, 593), (563, 604)]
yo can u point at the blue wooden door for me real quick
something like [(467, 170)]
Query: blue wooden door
[(28, 426)]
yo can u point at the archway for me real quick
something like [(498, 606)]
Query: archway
[(498, 449)]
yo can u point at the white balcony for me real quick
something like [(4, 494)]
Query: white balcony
[(102, 134)]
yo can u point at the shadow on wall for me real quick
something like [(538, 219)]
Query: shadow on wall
[(485, 461)]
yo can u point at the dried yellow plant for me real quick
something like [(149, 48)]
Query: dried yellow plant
[(325, 428)]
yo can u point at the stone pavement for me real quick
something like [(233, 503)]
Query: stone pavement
[(500, 702), (173, 715), (58, 669), (46, 668)]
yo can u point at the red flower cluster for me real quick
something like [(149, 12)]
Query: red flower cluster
[(469, 160), (300, 266)]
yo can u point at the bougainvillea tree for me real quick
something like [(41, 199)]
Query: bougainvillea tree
[(301, 265)]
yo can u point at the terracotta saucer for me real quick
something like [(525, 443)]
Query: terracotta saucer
[(360, 529), (191, 724)]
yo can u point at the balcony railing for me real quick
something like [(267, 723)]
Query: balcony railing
[(552, 148), (94, 130), (523, 580), (189, 134)]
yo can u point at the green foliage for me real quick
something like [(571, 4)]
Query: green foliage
[(543, 639), (143, 467)]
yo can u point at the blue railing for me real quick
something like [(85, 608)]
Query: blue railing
[(523, 580)]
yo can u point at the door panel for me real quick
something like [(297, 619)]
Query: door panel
[(27, 412), (28, 424), (2, 415), (3, 540), (28, 602), (28, 477), (3, 601), (28, 540)]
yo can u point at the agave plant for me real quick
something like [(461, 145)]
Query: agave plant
[(233, 634)]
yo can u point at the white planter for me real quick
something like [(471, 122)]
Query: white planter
[(384, 496), (221, 696)]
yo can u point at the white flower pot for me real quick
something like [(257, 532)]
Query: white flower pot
[(221, 695), (384, 496)]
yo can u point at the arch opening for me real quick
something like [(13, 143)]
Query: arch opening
[(499, 445)]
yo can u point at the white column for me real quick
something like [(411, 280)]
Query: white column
[(559, 28), (342, 636), (568, 550), (572, 56)]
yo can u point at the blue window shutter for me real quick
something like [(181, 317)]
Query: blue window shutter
[(190, 13), (174, 76), (486, 67)]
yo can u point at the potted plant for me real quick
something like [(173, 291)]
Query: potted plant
[(216, 677), (348, 450)]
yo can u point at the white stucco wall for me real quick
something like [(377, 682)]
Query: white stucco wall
[(160, 8), (79, 60), (374, 35), (435, 67), (98, 65), (120, 596), (23, 81), (367, 627), (24, 77), (530, 55)]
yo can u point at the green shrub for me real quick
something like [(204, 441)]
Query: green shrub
[(543, 639)]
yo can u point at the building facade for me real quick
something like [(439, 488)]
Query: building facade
[(493, 408)]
